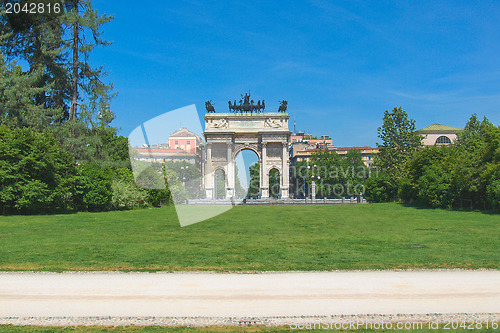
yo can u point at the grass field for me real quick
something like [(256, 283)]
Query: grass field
[(214, 329), (258, 238)]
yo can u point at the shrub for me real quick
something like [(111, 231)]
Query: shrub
[(126, 195), (35, 174), (380, 187), (93, 190)]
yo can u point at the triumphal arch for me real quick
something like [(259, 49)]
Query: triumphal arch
[(246, 125)]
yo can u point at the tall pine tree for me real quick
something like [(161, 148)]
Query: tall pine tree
[(82, 21), (60, 90), (38, 40)]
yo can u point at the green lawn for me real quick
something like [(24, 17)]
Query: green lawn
[(260, 238)]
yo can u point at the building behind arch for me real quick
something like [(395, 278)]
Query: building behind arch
[(182, 146), (437, 134)]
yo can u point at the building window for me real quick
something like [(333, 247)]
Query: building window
[(443, 140), (176, 142), (189, 142)]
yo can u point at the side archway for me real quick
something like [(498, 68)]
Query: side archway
[(275, 182), (220, 183)]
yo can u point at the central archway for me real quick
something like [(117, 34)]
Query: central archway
[(227, 134), (247, 175)]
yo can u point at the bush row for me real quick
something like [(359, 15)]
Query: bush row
[(37, 176), (465, 174)]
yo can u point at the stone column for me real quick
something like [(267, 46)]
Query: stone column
[(209, 174), (230, 172), (285, 177), (264, 178), (203, 154)]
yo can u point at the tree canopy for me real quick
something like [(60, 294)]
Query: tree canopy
[(399, 142)]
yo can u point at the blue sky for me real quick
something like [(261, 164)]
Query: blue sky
[(339, 64)]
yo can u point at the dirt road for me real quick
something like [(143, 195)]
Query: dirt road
[(248, 295)]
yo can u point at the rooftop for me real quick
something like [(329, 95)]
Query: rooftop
[(439, 127), (184, 132)]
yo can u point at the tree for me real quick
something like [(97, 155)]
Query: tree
[(59, 91), (18, 90), (35, 174), (430, 178), (298, 176), (490, 174), (186, 175), (357, 172), (478, 143), (468, 172), (38, 39), (239, 191), (94, 188), (334, 175), (274, 183), (87, 134), (326, 169), (379, 187), (471, 139), (254, 184), (56, 47), (81, 17), (399, 142)]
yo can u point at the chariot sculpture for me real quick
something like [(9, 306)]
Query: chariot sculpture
[(246, 105)]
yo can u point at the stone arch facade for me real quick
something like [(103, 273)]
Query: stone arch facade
[(226, 134), (239, 148)]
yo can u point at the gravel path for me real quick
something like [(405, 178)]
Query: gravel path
[(270, 298)]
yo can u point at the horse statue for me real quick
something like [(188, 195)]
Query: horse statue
[(283, 106), (233, 107), (210, 108)]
